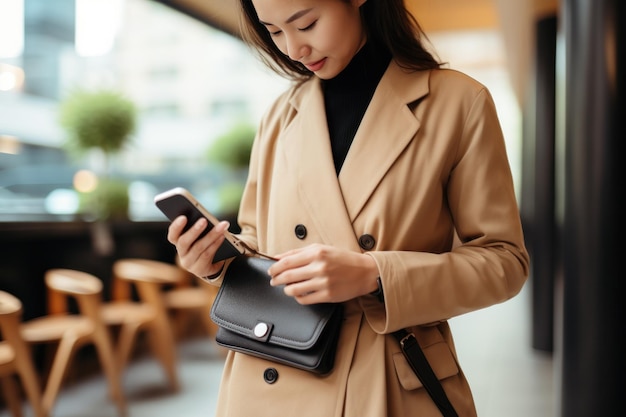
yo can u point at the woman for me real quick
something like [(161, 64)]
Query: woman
[(361, 176)]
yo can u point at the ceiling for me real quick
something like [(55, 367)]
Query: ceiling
[(514, 18), (434, 15)]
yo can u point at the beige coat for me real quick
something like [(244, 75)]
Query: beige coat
[(428, 159)]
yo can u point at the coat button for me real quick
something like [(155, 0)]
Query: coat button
[(367, 242), (300, 231), (270, 375)]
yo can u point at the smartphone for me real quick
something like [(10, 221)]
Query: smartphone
[(178, 201)]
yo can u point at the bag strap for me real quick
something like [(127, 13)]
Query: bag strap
[(415, 356), (255, 253)]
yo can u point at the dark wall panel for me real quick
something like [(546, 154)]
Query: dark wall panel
[(543, 243), (593, 313)]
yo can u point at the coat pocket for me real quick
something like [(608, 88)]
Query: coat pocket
[(440, 358)]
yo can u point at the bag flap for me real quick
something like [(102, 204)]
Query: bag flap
[(248, 305)]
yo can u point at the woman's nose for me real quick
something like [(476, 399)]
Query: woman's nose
[(296, 49)]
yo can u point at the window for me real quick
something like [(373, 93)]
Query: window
[(184, 77)]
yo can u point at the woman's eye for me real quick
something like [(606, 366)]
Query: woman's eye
[(308, 27)]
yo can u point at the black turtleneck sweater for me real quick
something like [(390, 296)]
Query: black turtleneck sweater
[(347, 96)]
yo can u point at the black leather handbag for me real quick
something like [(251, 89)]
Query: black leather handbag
[(260, 320)]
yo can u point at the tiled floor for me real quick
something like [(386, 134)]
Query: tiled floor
[(509, 378)]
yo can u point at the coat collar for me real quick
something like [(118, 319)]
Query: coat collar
[(388, 126)]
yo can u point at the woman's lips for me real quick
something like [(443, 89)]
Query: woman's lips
[(316, 66)]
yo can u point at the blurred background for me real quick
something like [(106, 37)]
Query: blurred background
[(190, 83), (105, 103)]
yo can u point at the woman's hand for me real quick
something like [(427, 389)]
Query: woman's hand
[(324, 274), (197, 256)]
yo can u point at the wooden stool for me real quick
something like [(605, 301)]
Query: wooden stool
[(16, 359), (72, 331)]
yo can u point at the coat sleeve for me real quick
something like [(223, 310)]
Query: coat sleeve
[(491, 263)]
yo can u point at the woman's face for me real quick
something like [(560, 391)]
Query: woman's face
[(323, 35)]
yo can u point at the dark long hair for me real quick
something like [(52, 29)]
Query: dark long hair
[(386, 22)]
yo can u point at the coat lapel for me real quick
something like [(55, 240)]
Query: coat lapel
[(387, 128), (309, 158)]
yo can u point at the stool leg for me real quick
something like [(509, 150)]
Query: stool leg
[(109, 365), (30, 381), (60, 362), (163, 345), (11, 395), (127, 336)]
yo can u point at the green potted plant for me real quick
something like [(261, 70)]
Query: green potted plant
[(103, 121)]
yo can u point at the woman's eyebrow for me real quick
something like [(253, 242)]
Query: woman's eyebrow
[(291, 18)]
